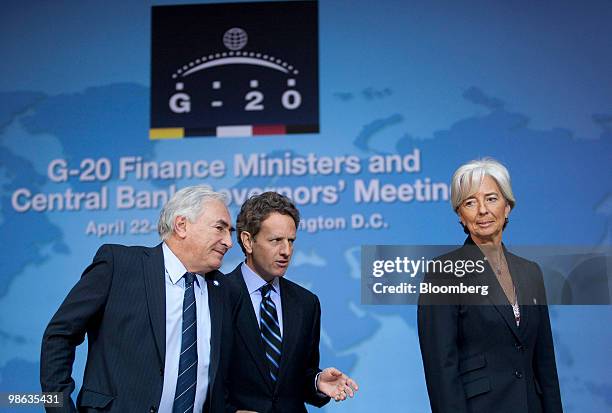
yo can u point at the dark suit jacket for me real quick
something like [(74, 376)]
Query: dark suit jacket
[(476, 359), (119, 302), (249, 384)]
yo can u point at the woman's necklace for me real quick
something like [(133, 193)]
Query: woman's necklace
[(497, 264), (498, 267), (517, 312)]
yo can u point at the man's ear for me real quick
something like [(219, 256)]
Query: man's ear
[(247, 241), (180, 226)]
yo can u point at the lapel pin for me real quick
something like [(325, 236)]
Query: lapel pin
[(535, 301), (216, 283)]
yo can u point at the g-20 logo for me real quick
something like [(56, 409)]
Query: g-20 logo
[(234, 69)]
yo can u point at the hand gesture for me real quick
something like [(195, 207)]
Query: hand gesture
[(336, 384)]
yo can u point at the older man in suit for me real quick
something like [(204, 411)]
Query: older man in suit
[(154, 318), (275, 356)]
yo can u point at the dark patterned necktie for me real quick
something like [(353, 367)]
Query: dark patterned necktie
[(184, 397), (270, 330)]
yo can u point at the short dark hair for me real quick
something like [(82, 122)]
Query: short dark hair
[(258, 208)]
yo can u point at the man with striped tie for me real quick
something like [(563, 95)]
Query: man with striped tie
[(274, 365), (157, 319)]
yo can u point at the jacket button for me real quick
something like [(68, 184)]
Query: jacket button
[(153, 409), (161, 371), (518, 374)]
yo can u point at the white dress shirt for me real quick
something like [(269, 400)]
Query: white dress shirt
[(254, 282), (175, 291)]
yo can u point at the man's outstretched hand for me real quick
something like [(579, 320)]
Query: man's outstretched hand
[(336, 384)]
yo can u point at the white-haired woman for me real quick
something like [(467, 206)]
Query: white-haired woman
[(494, 352)]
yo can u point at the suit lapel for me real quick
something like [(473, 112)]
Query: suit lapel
[(496, 295), (249, 330), (292, 324), (500, 302), (521, 283), (155, 289), (215, 305)]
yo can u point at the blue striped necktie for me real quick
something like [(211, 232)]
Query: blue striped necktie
[(270, 330), (184, 397)]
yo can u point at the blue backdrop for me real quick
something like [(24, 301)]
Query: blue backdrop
[(444, 82)]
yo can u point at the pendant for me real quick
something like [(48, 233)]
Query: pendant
[(517, 313)]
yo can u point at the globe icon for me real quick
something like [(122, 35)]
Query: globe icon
[(235, 38)]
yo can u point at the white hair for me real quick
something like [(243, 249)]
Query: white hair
[(468, 177), (188, 202)]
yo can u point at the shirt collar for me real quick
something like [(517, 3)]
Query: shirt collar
[(254, 282), (174, 267)]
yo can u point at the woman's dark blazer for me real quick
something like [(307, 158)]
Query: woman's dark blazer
[(476, 359)]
